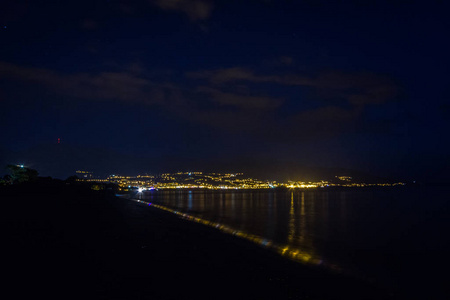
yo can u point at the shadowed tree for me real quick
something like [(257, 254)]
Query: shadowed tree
[(20, 174), (72, 179), (6, 180)]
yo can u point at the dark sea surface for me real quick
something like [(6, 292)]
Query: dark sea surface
[(395, 237)]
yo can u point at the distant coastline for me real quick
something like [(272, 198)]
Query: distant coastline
[(219, 181)]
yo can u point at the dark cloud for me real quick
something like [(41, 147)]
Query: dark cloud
[(243, 122), (201, 105), (286, 60), (341, 100), (222, 103), (225, 75), (327, 114), (240, 101), (89, 24), (279, 62), (122, 86), (324, 121), (358, 88), (194, 9)]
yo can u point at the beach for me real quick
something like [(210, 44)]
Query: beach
[(67, 241)]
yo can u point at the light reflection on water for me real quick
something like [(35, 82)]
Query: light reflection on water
[(287, 250), (382, 235), (292, 223), (296, 218)]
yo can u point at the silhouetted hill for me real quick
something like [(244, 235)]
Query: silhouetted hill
[(62, 160), (292, 172)]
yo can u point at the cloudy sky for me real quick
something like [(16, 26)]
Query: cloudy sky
[(257, 86)]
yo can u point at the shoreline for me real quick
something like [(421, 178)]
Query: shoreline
[(297, 255), (313, 278), (111, 248)]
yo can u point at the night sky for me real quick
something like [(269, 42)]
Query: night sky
[(243, 86)]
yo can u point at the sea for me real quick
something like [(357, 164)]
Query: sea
[(394, 237)]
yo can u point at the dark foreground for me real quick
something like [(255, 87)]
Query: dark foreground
[(63, 241)]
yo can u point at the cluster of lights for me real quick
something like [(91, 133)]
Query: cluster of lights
[(344, 178), (217, 181)]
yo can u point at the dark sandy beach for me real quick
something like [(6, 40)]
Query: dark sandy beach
[(62, 241)]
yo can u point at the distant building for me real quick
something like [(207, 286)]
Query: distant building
[(84, 175)]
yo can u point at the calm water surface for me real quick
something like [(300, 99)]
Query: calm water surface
[(396, 237)]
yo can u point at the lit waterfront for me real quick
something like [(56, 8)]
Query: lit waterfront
[(217, 181)]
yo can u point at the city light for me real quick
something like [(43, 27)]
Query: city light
[(219, 181)]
